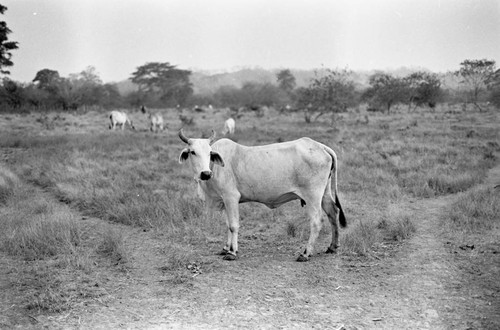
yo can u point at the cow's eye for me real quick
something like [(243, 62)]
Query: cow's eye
[(193, 153)]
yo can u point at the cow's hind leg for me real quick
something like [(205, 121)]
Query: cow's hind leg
[(314, 215)]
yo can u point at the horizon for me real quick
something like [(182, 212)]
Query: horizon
[(115, 37)]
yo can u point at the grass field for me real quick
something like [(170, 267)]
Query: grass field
[(55, 163)]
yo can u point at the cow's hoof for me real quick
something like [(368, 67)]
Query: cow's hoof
[(223, 252), (330, 250), (302, 258), (230, 257)]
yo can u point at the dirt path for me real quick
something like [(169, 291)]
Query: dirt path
[(418, 285)]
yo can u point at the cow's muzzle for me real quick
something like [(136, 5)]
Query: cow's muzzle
[(206, 175)]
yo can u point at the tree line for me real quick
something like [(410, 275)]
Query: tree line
[(160, 84)]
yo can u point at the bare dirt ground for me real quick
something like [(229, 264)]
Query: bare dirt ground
[(424, 283)]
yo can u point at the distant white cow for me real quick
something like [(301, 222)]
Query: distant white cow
[(229, 126), (119, 118), (229, 173), (155, 120)]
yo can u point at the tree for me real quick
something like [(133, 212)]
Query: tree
[(255, 95), (87, 86), (385, 90), (331, 93), (286, 80), (6, 46), (109, 96), (476, 74), (11, 94), (48, 82), (59, 92), (423, 88), (89, 76), (494, 87), (163, 83), (228, 96), (46, 79)]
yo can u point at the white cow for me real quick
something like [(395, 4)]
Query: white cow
[(155, 119), (229, 126), (229, 173), (156, 122), (119, 118)]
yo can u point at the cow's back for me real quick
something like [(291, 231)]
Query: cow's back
[(118, 116), (263, 173)]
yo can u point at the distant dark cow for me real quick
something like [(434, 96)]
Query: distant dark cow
[(229, 173)]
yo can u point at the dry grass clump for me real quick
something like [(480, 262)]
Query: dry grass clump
[(38, 229), (371, 225), (178, 256), (396, 224), (58, 268), (41, 236), (53, 286), (476, 211), (112, 246), (359, 238), (8, 184)]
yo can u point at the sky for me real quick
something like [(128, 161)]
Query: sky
[(117, 36)]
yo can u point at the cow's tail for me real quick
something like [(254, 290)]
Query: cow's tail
[(333, 173)]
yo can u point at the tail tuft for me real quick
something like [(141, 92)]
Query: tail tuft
[(342, 220)]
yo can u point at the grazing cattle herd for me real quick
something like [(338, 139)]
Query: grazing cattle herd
[(229, 173), (156, 122)]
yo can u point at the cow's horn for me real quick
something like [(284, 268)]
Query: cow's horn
[(183, 137), (212, 137)]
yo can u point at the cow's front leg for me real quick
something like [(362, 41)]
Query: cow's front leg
[(233, 225), (225, 249)]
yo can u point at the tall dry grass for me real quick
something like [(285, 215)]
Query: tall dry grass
[(134, 178), (34, 227), (475, 212), (60, 261)]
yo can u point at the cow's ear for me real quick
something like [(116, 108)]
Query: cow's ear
[(216, 158), (184, 155)]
